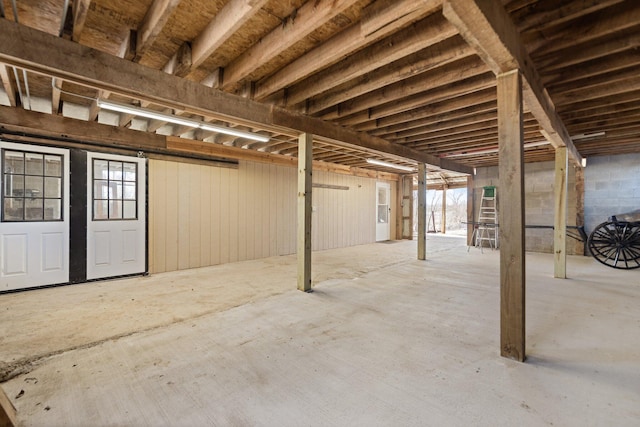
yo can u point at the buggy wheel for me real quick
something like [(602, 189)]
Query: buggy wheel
[(616, 244)]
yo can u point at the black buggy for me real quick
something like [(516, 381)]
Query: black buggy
[(616, 243)]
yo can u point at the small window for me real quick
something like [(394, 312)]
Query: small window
[(115, 190), (32, 188)]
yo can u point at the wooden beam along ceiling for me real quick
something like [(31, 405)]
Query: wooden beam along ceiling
[(376, 115), (102, 71), (378, 20), (487, 27)]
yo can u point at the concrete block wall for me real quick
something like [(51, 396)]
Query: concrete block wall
[(539, 203), (612, 186)]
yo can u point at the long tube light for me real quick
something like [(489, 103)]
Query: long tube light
[(170, 118), (389, 165)]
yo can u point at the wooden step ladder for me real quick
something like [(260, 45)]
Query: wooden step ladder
[(488, 218)]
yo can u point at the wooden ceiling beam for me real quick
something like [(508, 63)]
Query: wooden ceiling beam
[(489, 131), (602, 91), (590, 83), (580, 106), (469, 130), (19, 120), (154, 21), (423, 61), (437, 82), (408, 41), (572, 117), (49, 55), (463, 106), (625, 41), (308, 18), (378, 20), (593, 69), (55, 95), (80, 11), (546, 13), (224, 24), (488, 28), (452, 123), (390, 107), (8, 84), (620, 17)]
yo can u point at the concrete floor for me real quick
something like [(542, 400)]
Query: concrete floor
[(383, 340)]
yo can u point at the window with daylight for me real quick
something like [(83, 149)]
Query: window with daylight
[(114, 190), (32, 189)]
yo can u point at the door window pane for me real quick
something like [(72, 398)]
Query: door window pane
[(52, 166), (34, 163), (100, 169), (129, 191), (115, 209), (14, 185), (34, 210), (14, 162), (32, 186), (13, 209), (52, 187), (100, 209), (52, 209), (383, 214), (114, 190), (129, 209)]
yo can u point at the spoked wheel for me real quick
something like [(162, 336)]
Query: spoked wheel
[(616, 244)]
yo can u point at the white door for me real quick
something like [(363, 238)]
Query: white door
[(34, 229), (383, 210), (116, 216)]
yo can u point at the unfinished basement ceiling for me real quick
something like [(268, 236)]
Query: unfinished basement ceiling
[(395, 70)]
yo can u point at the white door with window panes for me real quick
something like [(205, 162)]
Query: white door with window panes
[(34, 227), (383, 211), (116, 216)]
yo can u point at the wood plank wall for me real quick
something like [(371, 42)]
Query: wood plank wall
[(202, 215)]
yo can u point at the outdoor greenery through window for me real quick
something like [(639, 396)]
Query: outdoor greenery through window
[(114, 190), (32, 189)]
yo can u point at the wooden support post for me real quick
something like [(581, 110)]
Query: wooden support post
[(512, 244), (422, 211), (305, 163), (560, 214), (8, 417), (407, 207), (470, 213), (582, 249), (443, 222)]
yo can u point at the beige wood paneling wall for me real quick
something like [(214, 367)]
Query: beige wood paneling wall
[(203, 215)]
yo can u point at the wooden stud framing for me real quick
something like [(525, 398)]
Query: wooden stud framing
[(422, 211), (560, 215), (511, 184), (469, 210), (407, 207), (305, 158), (443, 224)]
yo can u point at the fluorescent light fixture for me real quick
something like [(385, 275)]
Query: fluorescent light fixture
[(150, 114), (587, 135), (170, 118), (234, 132), (584, 162), (389, 165), (494, 150)]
